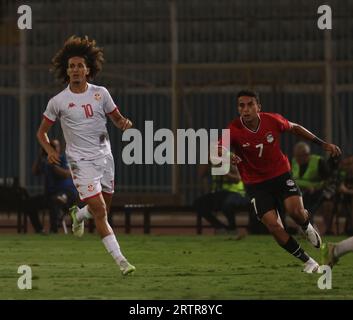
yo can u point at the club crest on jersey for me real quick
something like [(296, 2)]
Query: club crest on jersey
[(71, 105), (97, 96), (90, 187), (269, 137), (290, 183)]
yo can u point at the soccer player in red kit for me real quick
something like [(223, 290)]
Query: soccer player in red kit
[(265, 171)]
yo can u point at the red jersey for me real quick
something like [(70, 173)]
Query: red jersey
[(259, 151)]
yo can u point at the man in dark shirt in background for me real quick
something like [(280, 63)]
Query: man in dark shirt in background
[(60, 192)]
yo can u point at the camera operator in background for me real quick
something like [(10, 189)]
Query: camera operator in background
[(345, 190), (310, 171), (60, 192)]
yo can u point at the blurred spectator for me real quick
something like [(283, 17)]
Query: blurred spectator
[(227, 195), (310, 172), (60, 192)]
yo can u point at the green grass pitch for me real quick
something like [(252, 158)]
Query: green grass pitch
[(168, 267)]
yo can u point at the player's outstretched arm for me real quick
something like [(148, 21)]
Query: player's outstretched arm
[(306, 134), (42, 136), (119, 121)]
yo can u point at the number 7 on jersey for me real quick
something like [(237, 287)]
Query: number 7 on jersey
[(261, 146)]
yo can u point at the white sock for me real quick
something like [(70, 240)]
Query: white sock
[(83, 214), (112, 246), (343, 247), (311, 260)]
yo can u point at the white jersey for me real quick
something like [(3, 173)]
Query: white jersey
[(83, 121)]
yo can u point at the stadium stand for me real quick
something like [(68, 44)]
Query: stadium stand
[(222, 46), (11, 202)]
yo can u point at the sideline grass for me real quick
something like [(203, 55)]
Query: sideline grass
[(168, 267)]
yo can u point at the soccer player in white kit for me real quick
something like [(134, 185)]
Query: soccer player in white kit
[(82, 109)]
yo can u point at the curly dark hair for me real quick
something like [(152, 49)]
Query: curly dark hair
[(78, 47), (249, 93)]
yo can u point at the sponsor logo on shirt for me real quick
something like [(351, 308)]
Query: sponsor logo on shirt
[(71, 105), (246, 145), (290, 183), (97, 96)]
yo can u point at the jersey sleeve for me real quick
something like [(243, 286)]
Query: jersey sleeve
[(51, 113), (108, 103), (282, 123)]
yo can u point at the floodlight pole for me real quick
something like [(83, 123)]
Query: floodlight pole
[(174, 91), (328, 84), (22, 108)]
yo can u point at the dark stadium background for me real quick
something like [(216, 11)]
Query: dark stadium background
[(180, 64)]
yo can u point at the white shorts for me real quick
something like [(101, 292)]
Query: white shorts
[(91, 177)]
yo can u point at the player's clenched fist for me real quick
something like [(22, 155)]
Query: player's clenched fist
[(234, 159), (125, 124), (334, 150), (53, 157)]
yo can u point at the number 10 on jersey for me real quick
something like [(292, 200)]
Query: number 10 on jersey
[(88, 110)]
